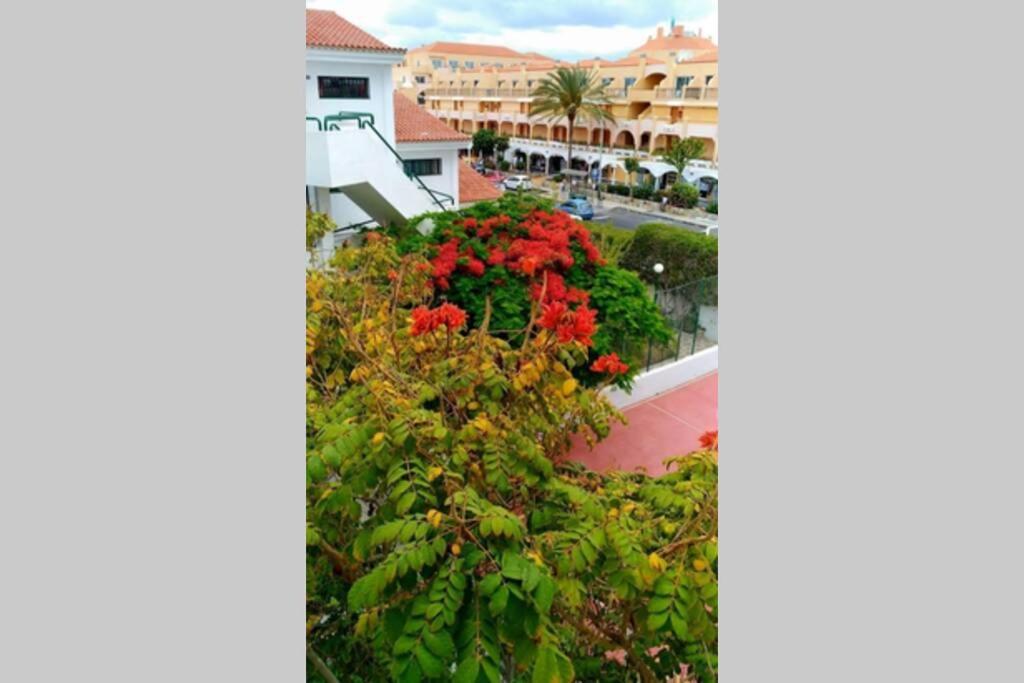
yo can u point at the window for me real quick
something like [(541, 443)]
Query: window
[(628, 82), (682, 82), (438, 63), (469, 65), (606, 81), (707, 80), (515, 83), (423, 167), (343, 88), (421, 79), (453, 63)]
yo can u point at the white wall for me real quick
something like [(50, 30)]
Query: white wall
[(335, 63), (448, 153), (666, 377)]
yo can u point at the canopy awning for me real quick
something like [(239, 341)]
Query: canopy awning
[(657, 168)]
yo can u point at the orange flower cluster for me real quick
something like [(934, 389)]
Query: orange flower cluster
[(709, 440), (569, 325), (426, 320), (610, 364)]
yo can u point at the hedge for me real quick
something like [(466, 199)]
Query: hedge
[(687, 256), (611, 241)]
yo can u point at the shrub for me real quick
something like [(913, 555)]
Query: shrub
[(687, 256), (504, 165), (684, 195), (713, 208), (444, 531), (558, 177), (506, 255), (611, 241)]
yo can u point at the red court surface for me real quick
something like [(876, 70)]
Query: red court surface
[(663, 426)]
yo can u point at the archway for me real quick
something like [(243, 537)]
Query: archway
[(522, 130), (506, 128), (645, 141), (540, 131), (555, 164), (662, 143), (579, 135), (649, 82), (625, 140), (558, 133), (537, 162)]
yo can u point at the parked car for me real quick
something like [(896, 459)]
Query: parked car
[(518, 182), (578, 207)]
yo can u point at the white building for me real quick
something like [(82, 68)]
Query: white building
[(373, 157)]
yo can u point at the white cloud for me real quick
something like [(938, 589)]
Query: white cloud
[(573, 42)]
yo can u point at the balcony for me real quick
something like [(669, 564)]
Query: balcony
[(692, 94), (477, 92)]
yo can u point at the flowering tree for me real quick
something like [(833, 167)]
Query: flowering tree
[(522, 258), (447, 538)]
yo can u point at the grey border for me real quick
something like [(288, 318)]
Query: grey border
[(870, 360), (151, 492)]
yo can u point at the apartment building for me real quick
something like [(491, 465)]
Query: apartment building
[(662, 91), (416, 72), (373, 157)]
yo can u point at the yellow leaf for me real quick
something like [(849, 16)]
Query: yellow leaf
[(378, 438), (456, 549), (655, 562), (700, 565), (568, 386), (433, 473)]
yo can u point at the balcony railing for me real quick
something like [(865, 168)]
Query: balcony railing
[(690, 93), (477, 92)]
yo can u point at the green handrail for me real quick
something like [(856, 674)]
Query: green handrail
[(365, 119), (319, 126)]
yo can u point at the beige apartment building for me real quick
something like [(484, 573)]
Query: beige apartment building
[(664, 90)]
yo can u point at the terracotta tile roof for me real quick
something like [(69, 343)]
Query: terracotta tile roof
[(676, 40), (473, 187), (704, 57), (326, 29), (470, 49), (625, 61), (415, 124)]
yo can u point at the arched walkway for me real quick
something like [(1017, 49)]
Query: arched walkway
[(625, 140), (506, 128), (522, 130), (540, 131), (558, 133)]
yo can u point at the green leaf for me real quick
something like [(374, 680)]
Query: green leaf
[(411, 673), (405, 502), (439, 643), (656, 620), (467, 672), (403, 645), (544, 594), (489, 583), (431, 665), (659, 604), (678, 626), (498, 601)]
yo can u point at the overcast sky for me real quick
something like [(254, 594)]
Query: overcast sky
[(565, 29)]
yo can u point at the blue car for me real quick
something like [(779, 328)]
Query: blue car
[(578, 207)]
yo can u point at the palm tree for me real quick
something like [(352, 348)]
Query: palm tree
[(570, 92), (632, 165)]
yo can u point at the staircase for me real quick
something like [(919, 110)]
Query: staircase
[(346, 153)]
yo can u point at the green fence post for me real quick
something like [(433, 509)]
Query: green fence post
[(696, 317)]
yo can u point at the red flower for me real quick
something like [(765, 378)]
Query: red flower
[(427, 320), (610, 364), (496, 256), (709, 440), (475, 267), (422, 321), (552, 314), (392, 274), (584, 325)]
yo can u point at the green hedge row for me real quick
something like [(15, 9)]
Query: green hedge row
[(687, 256)]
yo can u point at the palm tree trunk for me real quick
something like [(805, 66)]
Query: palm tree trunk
[(572, 122)]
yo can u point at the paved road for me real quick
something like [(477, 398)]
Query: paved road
[(625, 218)]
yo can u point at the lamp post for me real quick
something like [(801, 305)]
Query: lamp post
[(658, 270)]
